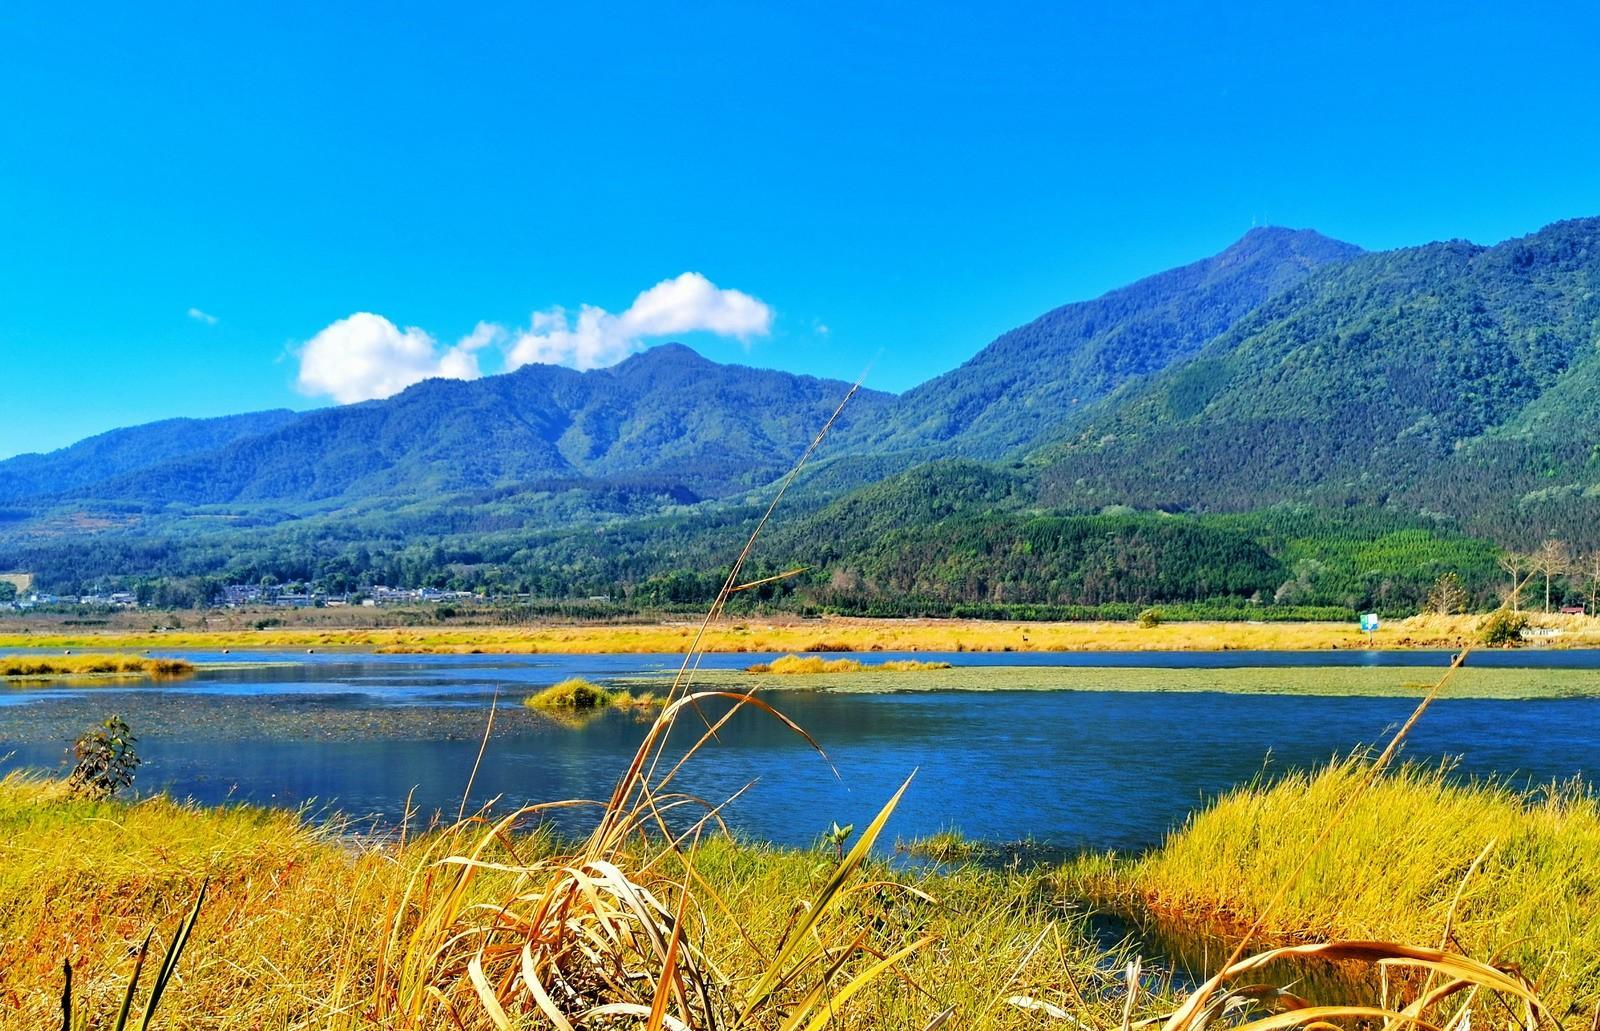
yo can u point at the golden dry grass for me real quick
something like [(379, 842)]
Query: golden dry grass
[(1512, 873), (835, 634), (40, 667), (297, 921), (812, 665)]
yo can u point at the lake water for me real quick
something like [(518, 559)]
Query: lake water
[(360, 732)]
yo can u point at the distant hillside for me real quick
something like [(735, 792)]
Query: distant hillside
[(682, 423), (1449, 378), (668, 414), (1289, 427), (1031, 384), (124, 451)]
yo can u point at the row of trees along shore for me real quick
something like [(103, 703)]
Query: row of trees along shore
[(1556, 569)]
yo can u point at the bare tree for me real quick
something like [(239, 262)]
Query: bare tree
[(1591, 573), (1513, 564), (1447, 596), (1550, 561)]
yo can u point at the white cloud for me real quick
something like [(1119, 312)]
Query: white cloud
[(201, 316), (366, 356), (688, 304)]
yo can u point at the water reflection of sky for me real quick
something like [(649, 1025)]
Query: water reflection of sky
[(1101, 769)]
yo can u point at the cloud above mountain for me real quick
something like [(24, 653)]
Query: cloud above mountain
[(365, 356), (688, 304)]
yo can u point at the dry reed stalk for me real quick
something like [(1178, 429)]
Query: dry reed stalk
[(608, 932)]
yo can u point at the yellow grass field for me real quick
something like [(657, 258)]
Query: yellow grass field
[(830, 634), (296, 921)]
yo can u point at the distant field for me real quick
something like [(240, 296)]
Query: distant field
[(823, 635)]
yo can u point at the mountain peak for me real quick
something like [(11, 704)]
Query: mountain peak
[(1281, 241), (673, 355)]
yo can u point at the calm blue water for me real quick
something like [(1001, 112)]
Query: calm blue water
[(359, 732)]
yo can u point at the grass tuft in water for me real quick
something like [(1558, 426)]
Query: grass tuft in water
[(30, 667), (574, 694), (798, 665)]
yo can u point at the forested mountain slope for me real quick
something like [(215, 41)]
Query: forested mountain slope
[(123, 451), (667, 415), (1419, 378), (671, 417), (1030, 384)]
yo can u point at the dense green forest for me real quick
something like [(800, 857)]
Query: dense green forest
[(1449, 379), (946, 538), (1030, 385)]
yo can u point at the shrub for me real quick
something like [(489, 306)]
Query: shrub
[(1150, 617), (106, 760), (1503, 628)]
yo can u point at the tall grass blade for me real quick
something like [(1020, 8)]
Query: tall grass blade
[(773, 976), (133, 982), (169, 963)]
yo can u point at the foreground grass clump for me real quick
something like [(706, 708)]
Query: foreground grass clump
[(85, 879), (1513, 875), (797, 665), (302, 928), (42, 667)]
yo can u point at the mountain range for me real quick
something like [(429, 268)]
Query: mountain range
[(1450, 388), (669, 415)]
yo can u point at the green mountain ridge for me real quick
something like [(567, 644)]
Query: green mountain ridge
[(1395, 379), (123, 451), (666, 414), (1290, 423), (1031, 384)]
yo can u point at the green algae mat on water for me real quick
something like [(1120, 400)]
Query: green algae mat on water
[(1328, 681)]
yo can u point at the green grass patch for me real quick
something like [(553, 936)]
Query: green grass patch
[(1330, 681), (577, 695)]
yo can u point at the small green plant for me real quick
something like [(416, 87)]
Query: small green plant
[(1503, 628), (106, 760), (835, 837), (1149, 618)]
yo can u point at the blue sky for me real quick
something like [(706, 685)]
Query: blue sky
[(883, 184)]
